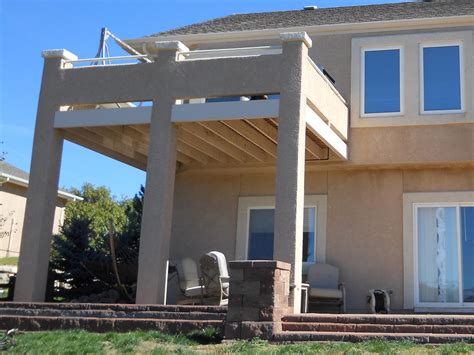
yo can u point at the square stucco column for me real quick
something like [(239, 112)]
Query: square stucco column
[(159, 190), (289, 195), (43, 187)]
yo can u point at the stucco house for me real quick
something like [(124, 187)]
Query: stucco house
[(339, 135), (13, 187)]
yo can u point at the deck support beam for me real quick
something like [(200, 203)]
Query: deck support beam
[(289, 196), (159, 192), (42, 191)]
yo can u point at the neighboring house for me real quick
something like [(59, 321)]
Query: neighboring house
[(373, 174), (13, 193)]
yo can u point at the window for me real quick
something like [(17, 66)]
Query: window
[(441, 79), (381, 82), (255, 224), (260, 234), (445, 258)]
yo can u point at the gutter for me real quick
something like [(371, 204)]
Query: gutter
[(361, 27), (4, 178)]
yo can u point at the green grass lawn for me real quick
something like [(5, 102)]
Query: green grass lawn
[(12, 260), (81, 342)]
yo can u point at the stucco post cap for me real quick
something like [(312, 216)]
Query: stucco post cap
[(171, 45), (296, 36), (58, 53)]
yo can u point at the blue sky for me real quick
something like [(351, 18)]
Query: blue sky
[(29, 26)]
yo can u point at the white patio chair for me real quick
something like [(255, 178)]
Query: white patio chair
[(215, 277), (324, 286), (189, 281)]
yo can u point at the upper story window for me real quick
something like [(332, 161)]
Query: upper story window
[(381, 82), (441, 78)]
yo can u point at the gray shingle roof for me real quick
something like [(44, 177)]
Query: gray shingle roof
[(6, 168), (13, 170), (327, 16)]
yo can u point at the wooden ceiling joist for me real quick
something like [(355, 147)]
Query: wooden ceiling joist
[(206, 143), (239, 143), (193, 153), (124, 157), (254, 136), (207, 135), (313, 150), (202, 146), (121, 139)]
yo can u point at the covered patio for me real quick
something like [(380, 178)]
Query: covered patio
[(288, 114)]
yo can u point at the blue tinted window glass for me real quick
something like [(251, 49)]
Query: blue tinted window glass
[(309, 234), (467, 247), (223, 99), (382, 81), (261, 234), (441, 78)]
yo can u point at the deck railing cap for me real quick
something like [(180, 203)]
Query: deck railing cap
[(58, 53), (171, 45), (296, 36)]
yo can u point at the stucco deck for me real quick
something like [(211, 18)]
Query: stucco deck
[(308, 121)]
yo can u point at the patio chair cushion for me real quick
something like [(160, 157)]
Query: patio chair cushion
[(325, 293), (187, 274), (323, 276), (193, 291)]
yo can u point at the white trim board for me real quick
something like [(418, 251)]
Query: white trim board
[(220, 111), (102, 117), (324, 132), (4, 178), (215, 111)]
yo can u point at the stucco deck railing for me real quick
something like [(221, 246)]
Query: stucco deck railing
[(211, 133)]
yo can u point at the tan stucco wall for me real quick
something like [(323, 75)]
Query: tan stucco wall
[(12, 207), (364, 222)]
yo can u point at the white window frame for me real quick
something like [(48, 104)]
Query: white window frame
[(402, 80), (319, 202), (411, 203), (462, 72)]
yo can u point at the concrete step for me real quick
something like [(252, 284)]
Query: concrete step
[(388, 319), (110, 317), (114, 307), (425, 338), (39, 323), (49, 312), (378, 328)]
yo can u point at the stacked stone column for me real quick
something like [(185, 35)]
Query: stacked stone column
[(259, 297)]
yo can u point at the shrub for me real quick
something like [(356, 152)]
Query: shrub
[(100, 236)]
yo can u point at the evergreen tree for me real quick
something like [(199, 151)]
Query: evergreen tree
[(82, 261)]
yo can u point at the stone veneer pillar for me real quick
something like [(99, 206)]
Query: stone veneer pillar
[(259, 296)]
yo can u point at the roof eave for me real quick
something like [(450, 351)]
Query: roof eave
[(5, 178), (405, 24)]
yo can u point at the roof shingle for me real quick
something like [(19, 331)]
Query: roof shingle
[(12, 170), (327, 16)]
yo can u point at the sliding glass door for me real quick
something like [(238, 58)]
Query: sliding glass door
[(445, 255), (467, 248)]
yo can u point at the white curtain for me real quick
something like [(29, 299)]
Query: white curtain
[(437, 255)]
